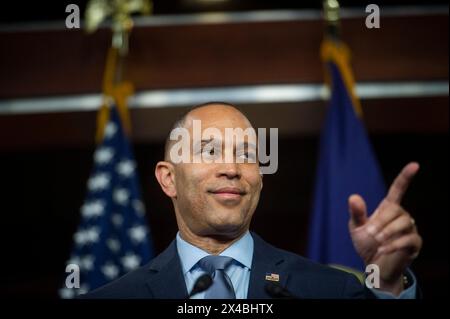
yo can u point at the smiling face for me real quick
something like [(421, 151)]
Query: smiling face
[(214, 199)]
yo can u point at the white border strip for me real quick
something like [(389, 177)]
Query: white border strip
[(258, 94), (239, 17)]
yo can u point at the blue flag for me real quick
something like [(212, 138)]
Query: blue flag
[(347, 165), (113, 237)]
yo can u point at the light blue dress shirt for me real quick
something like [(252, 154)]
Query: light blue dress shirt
[(409, 293), (239, 271)]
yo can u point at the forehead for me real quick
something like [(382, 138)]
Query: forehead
[(218, 116)]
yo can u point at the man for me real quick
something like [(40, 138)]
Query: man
[(214, 203)]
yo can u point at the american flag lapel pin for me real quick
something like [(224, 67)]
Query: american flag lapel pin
[(272, 277)]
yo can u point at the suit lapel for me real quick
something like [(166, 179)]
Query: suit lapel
[(168, 281), (266, 260)]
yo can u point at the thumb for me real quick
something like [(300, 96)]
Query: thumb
[(358, 211)]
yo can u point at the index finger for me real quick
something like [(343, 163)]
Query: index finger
[(401, 183)]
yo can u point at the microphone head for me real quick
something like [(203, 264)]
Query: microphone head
[(275, 290), (201, 284)]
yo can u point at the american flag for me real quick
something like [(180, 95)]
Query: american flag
[(112, 238)]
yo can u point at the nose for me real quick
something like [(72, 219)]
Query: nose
[(229, 170)]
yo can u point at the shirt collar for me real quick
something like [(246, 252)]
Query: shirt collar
[(241, 251)]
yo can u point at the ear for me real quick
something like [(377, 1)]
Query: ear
[(165, 174)]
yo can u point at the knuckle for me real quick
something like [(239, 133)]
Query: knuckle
[(406, 222)]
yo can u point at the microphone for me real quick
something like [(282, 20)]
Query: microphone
[(201, 284), (276, 291)]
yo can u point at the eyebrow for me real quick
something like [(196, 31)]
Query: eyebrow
[(205, 142), (245, 144), (202, 143)]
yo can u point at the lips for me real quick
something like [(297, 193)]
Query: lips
[(229, 190), (228, 195)]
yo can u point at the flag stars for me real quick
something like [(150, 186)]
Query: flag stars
[(138, 233), (112, 233), (110, 130), (113, 244), (93, 209), (121, 196), (130, 261), (80, 238), (110, 271), (99, 182), (117, 219), (67, 293), (126, 168), (84, 288), (87, 236), (87, 262), (139, 207), (103, 155), (75, 260)]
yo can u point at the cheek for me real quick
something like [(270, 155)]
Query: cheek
[(254, 179), (190, 187), (249, 207), (255, 182)]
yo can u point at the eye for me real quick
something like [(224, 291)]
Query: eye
[(248, 155), (210, 151)]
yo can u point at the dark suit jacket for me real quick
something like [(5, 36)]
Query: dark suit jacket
[(162, 278)]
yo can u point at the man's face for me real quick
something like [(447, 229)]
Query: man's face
[(217, 199)]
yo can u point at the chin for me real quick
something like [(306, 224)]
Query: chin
[(228, 221), (228, 228)]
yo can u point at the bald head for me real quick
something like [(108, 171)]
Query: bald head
[(213, 114), (211, 172)]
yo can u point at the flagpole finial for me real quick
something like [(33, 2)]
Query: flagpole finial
[(120, 12), (115, 90), (331, 17)]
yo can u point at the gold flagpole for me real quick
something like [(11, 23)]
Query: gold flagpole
[(333, 49), (115, 89)]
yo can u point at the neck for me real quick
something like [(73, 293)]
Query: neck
[(212, 244)]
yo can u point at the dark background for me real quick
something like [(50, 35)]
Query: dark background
[(45, 159)]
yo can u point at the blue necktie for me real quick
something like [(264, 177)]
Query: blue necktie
[(221, 288)]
